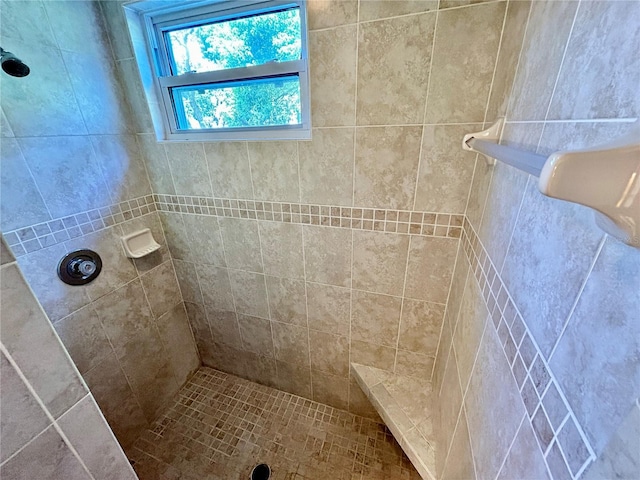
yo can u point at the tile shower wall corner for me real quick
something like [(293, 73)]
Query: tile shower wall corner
[(51, 425)]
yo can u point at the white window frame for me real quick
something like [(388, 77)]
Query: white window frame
[(184, 15)]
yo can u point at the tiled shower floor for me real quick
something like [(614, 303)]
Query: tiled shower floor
[(220, 426)]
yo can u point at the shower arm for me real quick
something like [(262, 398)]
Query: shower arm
[(604, 178)]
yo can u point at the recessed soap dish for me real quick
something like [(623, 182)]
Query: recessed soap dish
[(140, 243)]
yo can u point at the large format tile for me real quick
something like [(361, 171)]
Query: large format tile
[(287, 300), (176, 335), (250, 293), (215, 287), (430, 268), (386, 165), (394, 56), (450, 403), (331, 13), (274, 171), (329, 308), (603, 45), (158, 169), (223, 327), (333, 82), (379, 261), (205, 242), (420, 326), (256, 335), (328, 255), (525, 458), (241, 240), (465, 52), (493, 406), (21, 204), (329, 353), (189, 169), (161, 288), (21, 418), (90, 435), (446, 170), (230, 169), (282, 249), (291, 343), (326, 167), (377, 9), (47, 456), (375, 318), (596, 352), (460, 461), (29, 338)]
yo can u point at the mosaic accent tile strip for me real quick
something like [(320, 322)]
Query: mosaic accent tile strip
[(59, 230), (560, 437), (383, 220), (220, 426)]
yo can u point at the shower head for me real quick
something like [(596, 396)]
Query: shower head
[(12, 64)]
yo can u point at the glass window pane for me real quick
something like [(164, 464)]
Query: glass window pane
[(248, 103), (239, 42)]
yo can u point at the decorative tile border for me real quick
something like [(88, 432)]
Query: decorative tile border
[(383, 220), (562, 441), (43, 235)]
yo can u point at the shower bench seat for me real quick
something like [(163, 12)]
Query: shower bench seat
[(405, 406)]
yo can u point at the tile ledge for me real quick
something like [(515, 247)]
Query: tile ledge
[(420, 449)]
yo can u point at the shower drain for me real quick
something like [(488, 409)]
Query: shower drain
[(261, 472)]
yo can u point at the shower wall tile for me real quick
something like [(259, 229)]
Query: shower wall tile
[(600, 28), (50, 160), (176, 335), (155, 158), (117, 29), (291, 343), (222, 327), (189, 169), (331, 13), (375, 318), (445, 169), (287, 300), (294, 378), (430, 268), (525, 458), (329, 308), (420, 326), (385, 166), (333, 61), (78, 27), (379, 9), (21, 417), (24, 325), (459, 462), (462, 71), (230, 169), (372, 355), (242, 244), (548, 30), (328, 255), (330, 389), (379, 262), (282, 249), (450, 403), (330, 353), (203, 235), (21, 204), (394, 57), (326, 167), (188, 281), (161, 288), (274, 171), (256, 335), (249, 293), (215, 286)]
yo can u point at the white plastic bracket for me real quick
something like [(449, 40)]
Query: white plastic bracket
[(491, 134)]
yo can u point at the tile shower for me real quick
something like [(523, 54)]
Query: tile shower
[(379, 242)]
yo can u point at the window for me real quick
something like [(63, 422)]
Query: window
[(231, 70)]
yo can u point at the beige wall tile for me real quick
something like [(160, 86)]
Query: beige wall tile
[(524, 457), (188, 281), (379, 261), (230, 169), (460, 460), (215, 287), (291, 343), (91, 437), (494, 407), (48, 456), (326, 167), (413, 364), (332, 54), (205, 241), (161, 288), (224, 327), (117, 28), (329, 353), (176, 235), (155, 157), (294, 378), (547, 33), (430, 268), (466, 48), (328, 255), (256, 335), (176, 335), (479, 190), (188, 168), (386, 166), (24, 326), (241, 244), (359, 404), (287, 300), (282, 249), (250, 293), (603, 45), (84, 338), (373, 355), (260, 369), (420, 326), (329, 308), (375, 318), (393, 69), (274, 170), (377, 9), (331, 13), (449, 408), (21, 417), (446, 170), (330, 389)]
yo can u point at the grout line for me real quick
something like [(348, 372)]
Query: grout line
[(306, 304), (495, 67), (351, 306), (402, 302), (579, 295), (583, 120), (499, 272), (504, 460), (473, 457), (355, 114), (517, 70)]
